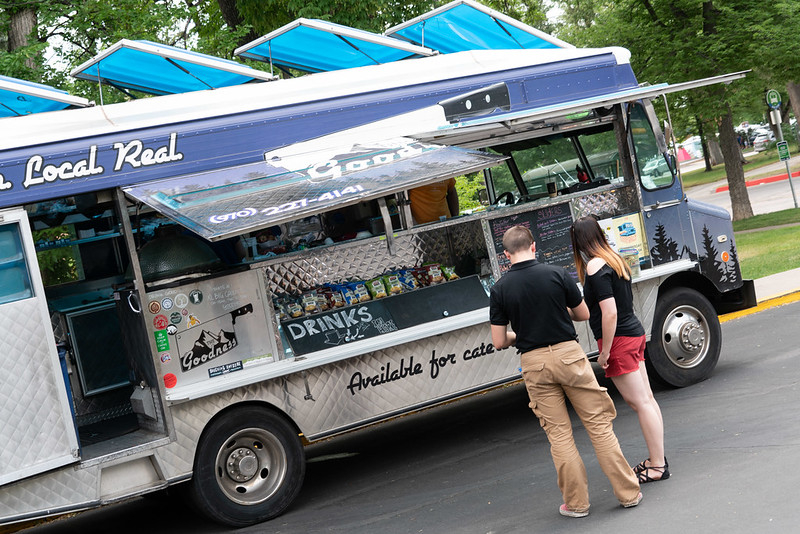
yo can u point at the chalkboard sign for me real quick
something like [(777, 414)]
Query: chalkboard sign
[(550, 228), (337, 327), (372, 318)]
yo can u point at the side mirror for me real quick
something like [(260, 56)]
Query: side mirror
[(673, 167)]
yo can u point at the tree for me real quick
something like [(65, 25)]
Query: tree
[(680, 40)]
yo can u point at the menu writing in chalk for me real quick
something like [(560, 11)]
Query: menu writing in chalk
[(550, 228)]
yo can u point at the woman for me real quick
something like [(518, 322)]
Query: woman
[(620, 337)]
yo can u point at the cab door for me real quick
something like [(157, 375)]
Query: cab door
[(37, 432), (663, 208)]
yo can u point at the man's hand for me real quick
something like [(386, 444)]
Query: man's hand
[(502, 337)]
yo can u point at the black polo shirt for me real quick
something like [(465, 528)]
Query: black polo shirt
[(534, 298)]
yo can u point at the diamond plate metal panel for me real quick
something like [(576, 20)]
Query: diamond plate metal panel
[(34, 429), (68, 487), (645, 295), (609, 203), (362, 260), (341, 395)]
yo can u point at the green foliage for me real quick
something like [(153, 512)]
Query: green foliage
[(58, 265), (679, 40), (468, 188)]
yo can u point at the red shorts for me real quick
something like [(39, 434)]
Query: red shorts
[(625, 355)]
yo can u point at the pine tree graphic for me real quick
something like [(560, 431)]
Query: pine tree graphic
[(665, 248), (734, 273), (710, 264)]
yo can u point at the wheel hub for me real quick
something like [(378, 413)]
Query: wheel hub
[(692, 336), (242, 464)]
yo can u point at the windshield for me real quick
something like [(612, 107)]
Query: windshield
[(654, 169), (589, 158)]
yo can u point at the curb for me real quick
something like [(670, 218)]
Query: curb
[(759, 181), (763, 305)]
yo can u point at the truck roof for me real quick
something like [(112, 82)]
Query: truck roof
[(59, 126)]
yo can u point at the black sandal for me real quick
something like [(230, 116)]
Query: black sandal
[(641, 466), (644, 477)]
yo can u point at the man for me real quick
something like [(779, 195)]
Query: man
[(541, 301), (432, 201)]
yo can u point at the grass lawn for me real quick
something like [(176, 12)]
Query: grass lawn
[(769, 250)]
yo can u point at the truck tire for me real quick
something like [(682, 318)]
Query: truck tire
[(686, 338), (249, 467)]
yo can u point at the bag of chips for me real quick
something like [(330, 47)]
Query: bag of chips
[(449, 273), (376, 288), (392, 283)]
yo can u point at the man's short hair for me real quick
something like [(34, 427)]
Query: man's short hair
[(517, 238)]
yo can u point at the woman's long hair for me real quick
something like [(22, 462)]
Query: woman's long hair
[(588, 238)]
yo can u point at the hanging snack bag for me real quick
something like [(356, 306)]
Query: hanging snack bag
[(280, 309), (376, 288), (360, 290), (309, 302), (408, 280), (422, 276), (294, 309), (348, 294), (392, 283), (334, 296), (449, 272), (435, 275), (323, 304)]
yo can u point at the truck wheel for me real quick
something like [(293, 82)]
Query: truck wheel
[(249, 467), (686, 338)]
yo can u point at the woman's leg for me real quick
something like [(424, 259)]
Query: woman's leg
[(635, 389)]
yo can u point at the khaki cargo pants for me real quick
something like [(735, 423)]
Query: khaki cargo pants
[(552, 372)]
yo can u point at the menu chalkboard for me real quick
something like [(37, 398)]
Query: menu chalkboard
[(336, 327), (550, 228)]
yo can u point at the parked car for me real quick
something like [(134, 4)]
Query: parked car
[(761, 142)]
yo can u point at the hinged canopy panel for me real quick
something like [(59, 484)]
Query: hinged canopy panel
[(228, 202), (315, 46), (160, 69), (467, 25), (18, 97)]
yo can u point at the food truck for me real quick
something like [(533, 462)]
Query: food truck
[(195, 286)]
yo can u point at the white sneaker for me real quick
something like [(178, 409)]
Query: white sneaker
[(563, 510)]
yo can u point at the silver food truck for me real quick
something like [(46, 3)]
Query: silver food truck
[(193, 287)]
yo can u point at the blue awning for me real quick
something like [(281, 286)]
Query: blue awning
[(316, 46), (467, 25), (18, 97), (160, 69)]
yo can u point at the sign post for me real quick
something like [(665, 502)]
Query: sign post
[(774, 102)]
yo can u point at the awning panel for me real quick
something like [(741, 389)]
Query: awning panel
[(160, 69), (476, 132), (227, 202), (315, 46), (18, 97), (467, 25)]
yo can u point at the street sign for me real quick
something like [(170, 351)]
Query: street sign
[(773, 99), (783, 150)]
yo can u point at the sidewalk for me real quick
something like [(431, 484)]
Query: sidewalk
[(774, 290)]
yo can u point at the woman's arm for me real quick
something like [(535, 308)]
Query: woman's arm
[(608, 310)]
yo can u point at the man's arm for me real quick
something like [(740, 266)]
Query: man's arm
[(502, 337), (579, 312)]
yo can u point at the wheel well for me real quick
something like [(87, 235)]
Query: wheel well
[(259, 404), (698, 282)]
